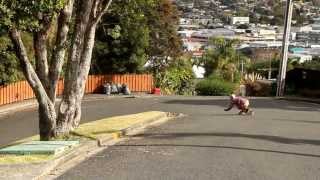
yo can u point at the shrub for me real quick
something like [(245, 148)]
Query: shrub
[(177, 81), (256, 86), (177, 78), (9, 64), (214, 87), (259, 88), (310, 93)]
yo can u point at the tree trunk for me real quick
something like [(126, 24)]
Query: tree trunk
[(47, 113), (70, 107), (59, 51), (47, 121), (79, 62), (44, 80), (41, 60), (75, 78)]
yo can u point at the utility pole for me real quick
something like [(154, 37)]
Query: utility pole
[(242, 69), (285, 47), (270, 63)]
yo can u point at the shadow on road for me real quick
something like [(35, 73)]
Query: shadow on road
[(297, 121), (221, 147), (255, 103), (276, 139)]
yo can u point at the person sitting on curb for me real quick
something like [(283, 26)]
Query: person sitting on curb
[(241, 103)]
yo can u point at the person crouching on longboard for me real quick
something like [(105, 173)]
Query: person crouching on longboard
[(241, 103)]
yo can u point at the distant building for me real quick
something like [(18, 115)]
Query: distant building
[(265, 44), (305, 28), (204, 35), (239, 20), (266, 32), (316, 25), (297, 50), (311, 37), (310, 34), (186, 33)]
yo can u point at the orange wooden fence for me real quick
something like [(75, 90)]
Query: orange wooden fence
[(20, 91)]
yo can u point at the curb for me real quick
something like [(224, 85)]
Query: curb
[(161, 118), (81, 152), (18, 106)]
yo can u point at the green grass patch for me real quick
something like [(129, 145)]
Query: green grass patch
[(20, 159), (100, 128)]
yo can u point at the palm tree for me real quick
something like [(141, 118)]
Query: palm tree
[(221, 58)]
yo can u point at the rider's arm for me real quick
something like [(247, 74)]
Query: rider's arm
[(230, 107)]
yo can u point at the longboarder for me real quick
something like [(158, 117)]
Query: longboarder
[(241, 103)]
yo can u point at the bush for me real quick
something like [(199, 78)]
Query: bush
[(214, 87), (273, 88), (259, 88), (309, 93), (9, 64), (177, 78), (177, 81), (256, 86)]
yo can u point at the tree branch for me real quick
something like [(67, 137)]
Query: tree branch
[(27, 68), (40, 49), (103, 6), (59, 50)]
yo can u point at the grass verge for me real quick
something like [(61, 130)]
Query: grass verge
[(21, 159), (88, 131)]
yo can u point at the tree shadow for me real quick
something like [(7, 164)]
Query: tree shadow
[(276, 139), (226, 114), (255, 103), (221, 147), (297, 121)]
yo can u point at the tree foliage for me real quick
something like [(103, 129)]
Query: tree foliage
[(28, 15), (122, 38), (313, 64), (37, 18), (222, 59), (165, 44), (163, 23), (9, 66), (135, 32)]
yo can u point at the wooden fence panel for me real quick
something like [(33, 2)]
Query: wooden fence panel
[(1, 96), (20, 91)]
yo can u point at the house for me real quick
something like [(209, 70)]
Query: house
[(239, 20), (204, 35), (310, 34)]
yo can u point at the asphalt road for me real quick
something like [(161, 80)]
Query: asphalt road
[(281, 141)]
